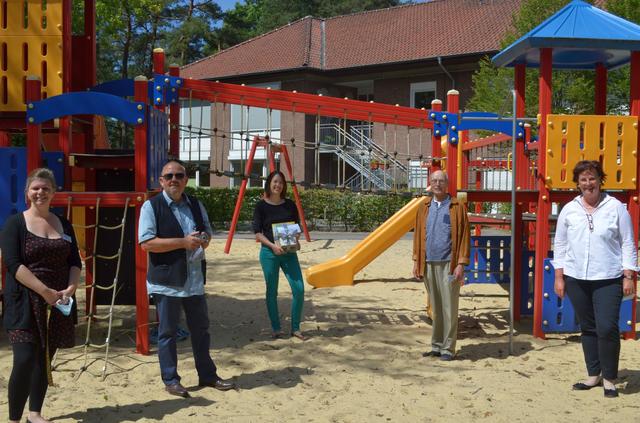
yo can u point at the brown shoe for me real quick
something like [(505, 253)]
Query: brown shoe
[(219, 384), (177, 390)]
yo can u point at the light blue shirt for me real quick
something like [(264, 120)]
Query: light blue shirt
[(147, 230)]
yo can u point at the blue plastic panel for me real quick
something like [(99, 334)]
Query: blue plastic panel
[(87, 102), (163, 90), (13, 162), (120, 87), (157, 145), (558, 314), (449, 124), (527, 282), (490, 260)]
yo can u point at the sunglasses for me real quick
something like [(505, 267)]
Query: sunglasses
[(169, 176), (590, 220)]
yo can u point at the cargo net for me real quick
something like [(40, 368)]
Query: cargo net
[(92, 317)]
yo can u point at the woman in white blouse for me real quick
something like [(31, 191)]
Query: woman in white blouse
[(595, 260)]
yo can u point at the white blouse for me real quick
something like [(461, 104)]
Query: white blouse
[(597, 250)]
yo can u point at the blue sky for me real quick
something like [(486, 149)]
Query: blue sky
[(227, 4)]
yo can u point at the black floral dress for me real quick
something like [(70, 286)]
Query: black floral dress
[(47, 259)]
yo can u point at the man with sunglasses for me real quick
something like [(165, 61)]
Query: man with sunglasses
[(441, 247), (175, 230)]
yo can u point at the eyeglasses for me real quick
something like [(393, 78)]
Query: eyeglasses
[(438, 181), (590, 220), (169, 176)]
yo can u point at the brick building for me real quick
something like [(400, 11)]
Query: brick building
[(406, 55)]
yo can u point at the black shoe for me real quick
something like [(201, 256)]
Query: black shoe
[(446, 357), (431, 354), (584, 387), (177, 390), (611, 393), (220, 385)]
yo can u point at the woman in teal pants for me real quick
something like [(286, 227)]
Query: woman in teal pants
[(276, 208)]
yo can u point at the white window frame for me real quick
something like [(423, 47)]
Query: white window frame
[(418, 87)]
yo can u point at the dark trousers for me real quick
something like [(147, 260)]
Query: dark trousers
[(28, 379), (597, 306), (195, 310)]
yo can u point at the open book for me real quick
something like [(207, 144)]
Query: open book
[(285, 235)]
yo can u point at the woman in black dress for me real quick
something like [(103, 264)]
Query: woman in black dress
[(40, 252)]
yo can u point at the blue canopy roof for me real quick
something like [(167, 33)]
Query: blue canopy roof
[(581, 36)]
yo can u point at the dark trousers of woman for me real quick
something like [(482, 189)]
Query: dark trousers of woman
[(28, 379), (597, 306)]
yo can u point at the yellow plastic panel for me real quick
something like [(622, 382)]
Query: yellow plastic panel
[(30, 44), (613, 140)]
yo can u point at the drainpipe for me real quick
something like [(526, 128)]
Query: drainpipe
[(453, 81)]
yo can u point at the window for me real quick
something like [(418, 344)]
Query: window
[(418, 175), (252, 121), (257, 170), (422, 93), (195, 130)]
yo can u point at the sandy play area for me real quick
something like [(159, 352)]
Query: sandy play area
[(363, 362)]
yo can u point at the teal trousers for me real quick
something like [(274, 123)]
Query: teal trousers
[(271, 265)]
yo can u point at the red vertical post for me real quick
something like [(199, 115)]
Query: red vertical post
[(521, 165), (453, 106), (66, 45), (544, 202), (436, 148), (271, 154), (601, 90), (464, 139), (633, 202), (243, 188), (296, 195), (174, 118), (5, 140), (158, 61), (90, 34), (64, 144), (478, 205), (64, 129), (158, 71), (34, 131), (140, 182)]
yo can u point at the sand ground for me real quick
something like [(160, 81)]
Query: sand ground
[(362, 363)]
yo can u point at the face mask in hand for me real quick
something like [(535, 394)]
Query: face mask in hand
[(65, 308)]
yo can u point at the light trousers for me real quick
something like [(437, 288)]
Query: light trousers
[(444, 296)]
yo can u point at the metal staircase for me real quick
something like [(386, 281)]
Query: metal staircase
[(358, 150)]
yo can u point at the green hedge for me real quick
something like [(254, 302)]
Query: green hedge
[(324, 209)]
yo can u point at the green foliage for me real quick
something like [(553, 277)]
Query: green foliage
[(323, 209), (239, 24), (573, 91)]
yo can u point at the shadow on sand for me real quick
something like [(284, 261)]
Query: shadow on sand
[(151, 410)]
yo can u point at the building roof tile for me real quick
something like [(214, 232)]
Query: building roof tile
[(394, 35)]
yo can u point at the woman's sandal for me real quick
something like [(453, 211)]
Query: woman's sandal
[(277, 334), (581, 386), (299, 335)]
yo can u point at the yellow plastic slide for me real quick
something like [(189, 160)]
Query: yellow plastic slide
[(341, 271)]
